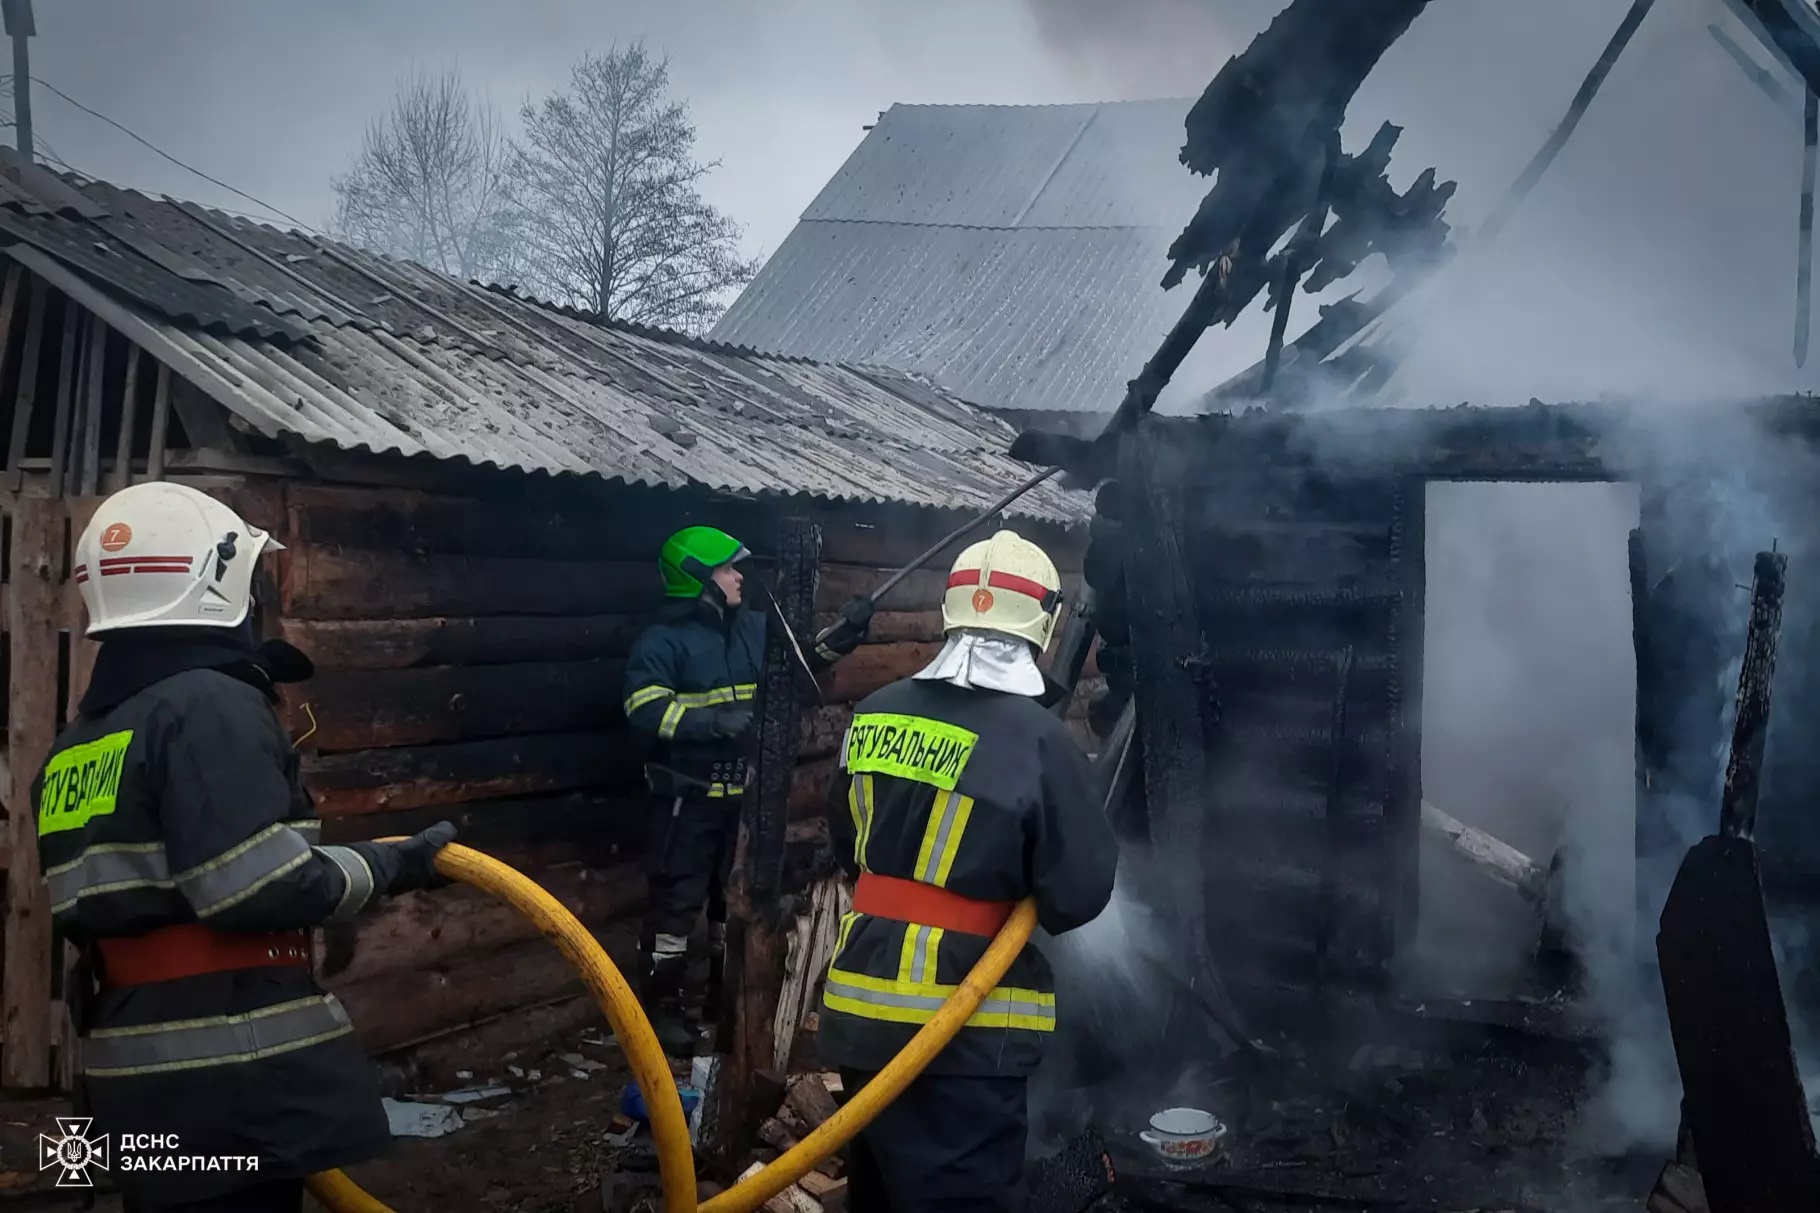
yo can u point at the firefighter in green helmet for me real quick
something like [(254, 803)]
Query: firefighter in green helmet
[(690, 685)]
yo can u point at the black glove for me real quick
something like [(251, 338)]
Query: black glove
[(416, 858), (849, 631), (732, 722)]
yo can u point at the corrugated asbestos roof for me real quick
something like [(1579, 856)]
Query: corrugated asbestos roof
[(318, 342), (1013, 253)]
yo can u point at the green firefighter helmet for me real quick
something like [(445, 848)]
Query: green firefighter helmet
[(691, 555)]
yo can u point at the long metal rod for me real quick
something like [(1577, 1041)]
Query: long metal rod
[(973, 523), (1576, 110), (1804, 266)]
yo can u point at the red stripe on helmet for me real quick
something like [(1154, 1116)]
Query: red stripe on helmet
[(1001, 581), (112, 561)]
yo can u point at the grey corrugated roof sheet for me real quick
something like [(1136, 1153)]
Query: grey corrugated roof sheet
[(391, 357), (1013, 253)]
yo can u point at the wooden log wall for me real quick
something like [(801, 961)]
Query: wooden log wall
[(1299, 646), (470, 655)]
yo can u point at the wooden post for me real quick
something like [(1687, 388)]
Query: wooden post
[(122, 474), (33, 614), (75, 617), (758, 930), (161, 424), (28, 381)]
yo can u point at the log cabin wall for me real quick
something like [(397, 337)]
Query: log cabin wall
[(470, 628), (470, 654), (1267, 547)]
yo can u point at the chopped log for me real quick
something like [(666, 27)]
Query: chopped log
[(1492, 856), (345, 584), (396, 644), (428, 930), (412, 777), (872, 666), (821, 1186), (34, 605), (792, 1200), (774, 1134), (360, 709), (811, 947), (397, 1008), (810, 1099)]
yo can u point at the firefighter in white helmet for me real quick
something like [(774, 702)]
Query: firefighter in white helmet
[(965, 796), (182, 855)]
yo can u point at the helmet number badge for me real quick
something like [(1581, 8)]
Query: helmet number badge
[(116, 536), (982, 600)]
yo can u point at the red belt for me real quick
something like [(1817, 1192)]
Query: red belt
[(192, 949), (927, 906)]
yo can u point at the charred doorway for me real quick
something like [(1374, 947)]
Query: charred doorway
[(1527, 736)]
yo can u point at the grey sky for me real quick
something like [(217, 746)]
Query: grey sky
[(272, 96)]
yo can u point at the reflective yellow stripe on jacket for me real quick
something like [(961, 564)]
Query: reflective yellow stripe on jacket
[(683, 701), (932, 753)]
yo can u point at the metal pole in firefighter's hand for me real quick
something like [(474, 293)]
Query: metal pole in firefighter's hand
[(973, 523)]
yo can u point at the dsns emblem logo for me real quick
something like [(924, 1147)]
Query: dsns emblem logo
[(73, 1152)]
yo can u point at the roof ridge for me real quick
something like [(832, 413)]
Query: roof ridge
[(665, 336), (1036, 105), (1005, 227)]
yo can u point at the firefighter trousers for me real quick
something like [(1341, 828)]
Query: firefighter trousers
[(278, 1196), (948, 1144), (690, 858)]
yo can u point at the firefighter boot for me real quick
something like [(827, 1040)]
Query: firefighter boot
[(663, 962)]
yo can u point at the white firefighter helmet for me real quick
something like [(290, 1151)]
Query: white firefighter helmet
[(1004, 584), (165, 555)]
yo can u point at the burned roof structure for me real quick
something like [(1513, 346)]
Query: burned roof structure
[(1023, 256)]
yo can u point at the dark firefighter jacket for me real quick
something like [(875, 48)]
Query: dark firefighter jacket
[(690, 663), (989, 796), (174, 798)]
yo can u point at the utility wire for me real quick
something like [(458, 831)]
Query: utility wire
[(134, 135)]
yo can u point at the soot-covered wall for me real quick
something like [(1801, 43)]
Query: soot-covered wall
[(1264, 604)]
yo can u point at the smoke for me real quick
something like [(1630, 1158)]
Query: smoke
[(1147, 48)]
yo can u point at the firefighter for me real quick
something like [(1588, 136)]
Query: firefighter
[(181, 852), (690, 685), (965, 797)]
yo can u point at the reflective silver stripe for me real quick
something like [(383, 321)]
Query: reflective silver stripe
[(826, 654), (948, 805), (666, 728), (357, 877), (241, 871), (309, 827), (1020, 1008), (191, 1044), (108, 867), (919, 953)]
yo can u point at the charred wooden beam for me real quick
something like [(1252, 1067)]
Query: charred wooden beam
[(758, 924), (1743, 1098), (1488, 853), (1750, 728), (34, 611)]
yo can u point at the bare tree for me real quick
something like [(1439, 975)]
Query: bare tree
[(609, 215), (427, 183)]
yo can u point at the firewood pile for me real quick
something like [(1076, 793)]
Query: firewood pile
[(808, 1102)]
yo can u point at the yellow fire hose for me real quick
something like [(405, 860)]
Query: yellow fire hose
[(651, 1069)]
